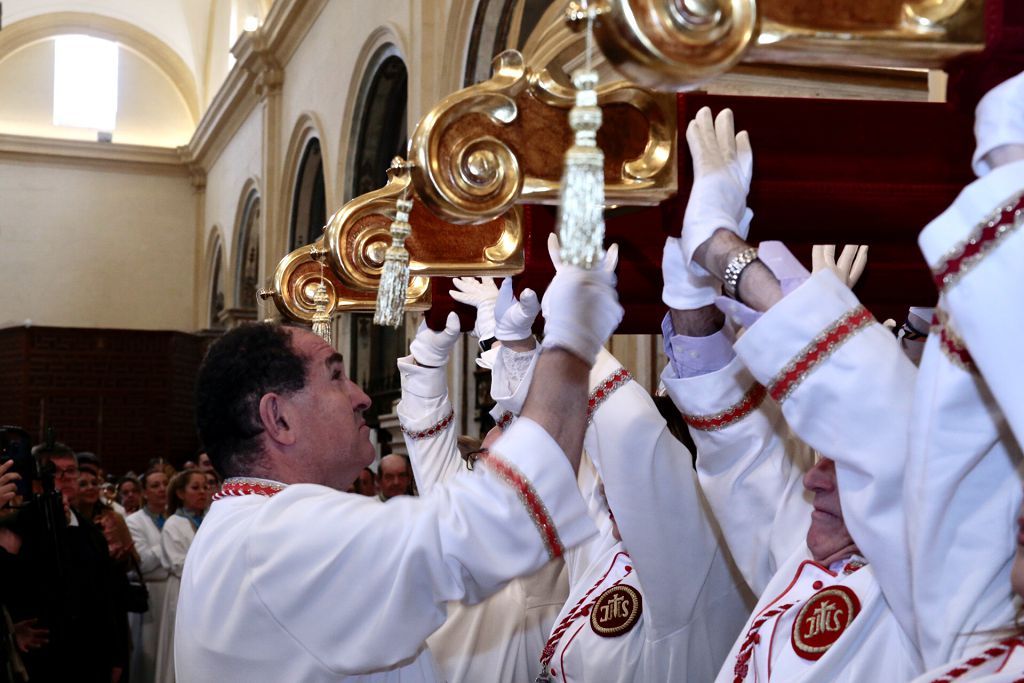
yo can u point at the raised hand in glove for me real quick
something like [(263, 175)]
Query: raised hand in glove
[(722, 165), (581, 307), (685, 289), (514, 316), (481, 294), (999, 126), (850, 266), (431, 349), (611, 255)]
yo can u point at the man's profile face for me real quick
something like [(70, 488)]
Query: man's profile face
[(394, 476), (335, 438), (827, 534)]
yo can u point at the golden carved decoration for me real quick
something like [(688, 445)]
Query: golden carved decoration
[(677, 44), (298, 276), (357, 237), (673, 44), (501, 142)]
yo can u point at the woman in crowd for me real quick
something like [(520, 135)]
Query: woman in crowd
[(187, 502), (129, 492), (90, 504), (145, 525)]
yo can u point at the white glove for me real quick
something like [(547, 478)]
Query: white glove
[(481, 294), (514, 316), (722, 166), (998, 121), (851, 262), (431, 349), (684, 289), (581, 308), (611, 255)]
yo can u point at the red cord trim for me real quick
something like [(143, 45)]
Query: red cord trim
[(432, 430), (734, 413), (986, 236), (605, 389), (820, 348), (531, 501)]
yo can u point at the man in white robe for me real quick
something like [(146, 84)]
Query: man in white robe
[(497, 639), (289, 579), (835, 607)]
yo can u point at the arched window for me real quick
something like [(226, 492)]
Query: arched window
[(380, 135), (497, 26), (247, 267), (217, 303), (309, 203)]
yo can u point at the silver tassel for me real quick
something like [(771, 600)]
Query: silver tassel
[(394, 280), (581, 216), (321, 318)]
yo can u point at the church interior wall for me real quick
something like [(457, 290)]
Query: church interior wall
[(150, 109), (95, 247), (240, 162)]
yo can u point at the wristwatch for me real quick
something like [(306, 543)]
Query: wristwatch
[(735, 268)]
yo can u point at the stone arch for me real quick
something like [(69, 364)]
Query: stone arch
[(305, 191), (216, 275), (379, 103), (246, 257), (42, 27)]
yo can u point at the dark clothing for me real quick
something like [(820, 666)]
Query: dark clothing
[(79, 594)]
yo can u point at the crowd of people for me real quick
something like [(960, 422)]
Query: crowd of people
[(852, 510), (92, 598)]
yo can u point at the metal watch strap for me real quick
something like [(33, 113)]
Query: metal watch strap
[(735, 267)]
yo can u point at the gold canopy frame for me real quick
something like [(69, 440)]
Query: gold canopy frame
[(299, 273), (679, 44), (358, 235), (492, 145)]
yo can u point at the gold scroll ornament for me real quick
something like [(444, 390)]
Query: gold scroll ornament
[(298, 275), (501, 142), (679, 44), (358, 235)]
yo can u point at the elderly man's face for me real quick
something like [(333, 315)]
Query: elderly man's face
[(394, 476), (335, 439), (827, 535)]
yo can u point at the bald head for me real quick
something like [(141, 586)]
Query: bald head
[(395, 476)]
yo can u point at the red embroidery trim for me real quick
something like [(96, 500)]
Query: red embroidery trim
[(985, 237), (605, 389), (742, 667), (432, 430), (248, 487), (531, 501), (823, 346), (952, 345), (734, 413), (578, 610), (974, 662), (505, 420)]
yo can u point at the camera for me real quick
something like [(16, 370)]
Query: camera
[(16, 445)]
